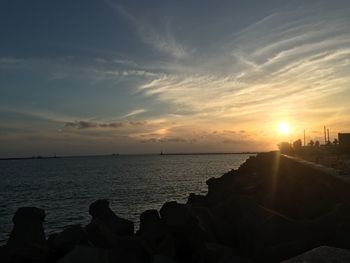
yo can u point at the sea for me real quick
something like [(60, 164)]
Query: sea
[(65, 187)]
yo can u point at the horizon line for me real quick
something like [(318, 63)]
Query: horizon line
[(39, 157)]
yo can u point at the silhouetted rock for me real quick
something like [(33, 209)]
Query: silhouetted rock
[(167, 246), (177, 216), (205, 220), (105, 226), (184, 229), (88, 255), (99, 235), (28, 227), (194, 200), (279, 252), (336, 224), (211, 252), (272, 208), (127, 249), (152, 229), (150, 221), (5, 256), (163, 259), (131, 249), (27, 239), (67, 240), (323, 254), (100, 210)]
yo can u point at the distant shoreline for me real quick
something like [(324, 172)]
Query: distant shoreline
[(116, 155)]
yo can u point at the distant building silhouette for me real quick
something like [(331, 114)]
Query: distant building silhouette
[(344, 142), (285, 148)]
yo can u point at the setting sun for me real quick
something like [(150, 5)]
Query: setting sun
[(283, 128)]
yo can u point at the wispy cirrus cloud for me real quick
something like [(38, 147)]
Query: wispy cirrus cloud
[(6, 62), (40, 114), (293, 65), (287, 63), (162, 41), (134, 112)]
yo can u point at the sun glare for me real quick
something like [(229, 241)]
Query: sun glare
[(283, 128)]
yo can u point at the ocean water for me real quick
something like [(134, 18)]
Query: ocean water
[(65, 187)]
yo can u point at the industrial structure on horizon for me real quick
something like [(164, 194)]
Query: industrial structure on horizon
[(344, 142), (340, 145)]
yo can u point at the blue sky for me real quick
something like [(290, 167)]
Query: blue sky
[(93, 76)]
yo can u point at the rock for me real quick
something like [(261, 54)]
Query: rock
[(155, 233), (105, 226), (230, 183), (100, 210), (274, 206), (205, 220), (5, 256), (130, 249), (256, 231), (283, 182), (336, 226), (278, 229), (196, 200), (163, 259), (150, 221), (88, 255), (100, 235), (283, 251), (213, 252), (28, 228), (166, 246), (152, 228), (69, 238), (27, 239), (236, 219), (177, 216), (270, 209), (322, 254), (184, 229), (71, 235), (127, 250)]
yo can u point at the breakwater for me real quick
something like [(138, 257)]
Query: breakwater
[(270, 209)]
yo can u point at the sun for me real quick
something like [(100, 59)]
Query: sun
[(283, 128)]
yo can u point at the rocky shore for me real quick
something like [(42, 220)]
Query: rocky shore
[(271, 209)]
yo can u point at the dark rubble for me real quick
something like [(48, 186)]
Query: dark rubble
[(271, 209)]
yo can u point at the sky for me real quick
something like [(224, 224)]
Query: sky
[(107, 76)]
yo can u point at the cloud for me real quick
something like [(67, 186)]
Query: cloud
[(165, 140), (89, 124), (118, 73), (138, 123), (164, 41), (40, 114), (80, 124), (135, 112), (284, 64), (292, 65), (230, 131), (111, 125), (10, 62)]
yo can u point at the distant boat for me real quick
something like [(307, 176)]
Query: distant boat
[(161, 153)]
